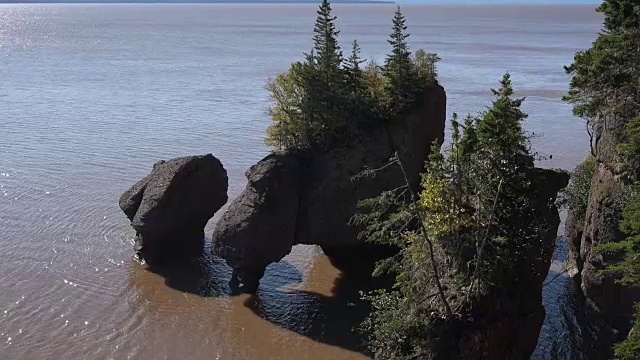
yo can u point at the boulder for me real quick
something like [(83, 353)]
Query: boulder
[(309, 197), (170, 207), (259, 226)]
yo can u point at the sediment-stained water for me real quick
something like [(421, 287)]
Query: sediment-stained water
[(92, 95)]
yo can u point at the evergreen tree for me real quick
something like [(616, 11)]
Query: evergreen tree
[(398, 67), (473, 230), (605, 88), (360, 103), (327, 53), (500, 131), (605, 91), (354, 74), (326, 99)]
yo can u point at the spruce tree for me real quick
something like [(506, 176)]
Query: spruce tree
[(398, 67), (328, 56), (500, 130), (325, 97), (359, 103), (352, 68)]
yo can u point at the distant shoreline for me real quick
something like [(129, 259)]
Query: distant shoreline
[(368, 2), (294, 2)]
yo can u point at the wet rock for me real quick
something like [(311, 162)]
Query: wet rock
[(309, 197), (170, 207), (259, 226)]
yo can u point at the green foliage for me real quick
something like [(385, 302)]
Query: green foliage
[(605, 91), (398, 67), (289, 129), (629, 148), (425, 67), (627, 270), (629, 349), (604, 87), (327, 55), (576, 195), (469, 228), (327, 100)]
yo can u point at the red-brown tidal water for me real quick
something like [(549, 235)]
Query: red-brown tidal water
[(92, 95)]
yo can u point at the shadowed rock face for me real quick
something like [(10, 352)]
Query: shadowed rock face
[(509, 328), (612, 303), (259, 226), (170, 207), (308, 198)]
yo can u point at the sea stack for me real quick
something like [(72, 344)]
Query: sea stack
[(170, 207)]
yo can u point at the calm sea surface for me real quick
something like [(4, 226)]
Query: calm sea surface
[(92, 95)]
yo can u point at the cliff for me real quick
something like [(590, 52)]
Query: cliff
[(611, 304)]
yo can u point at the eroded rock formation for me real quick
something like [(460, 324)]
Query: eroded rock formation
[(509, 328), (170, 207), (309, 198), (610, 304)]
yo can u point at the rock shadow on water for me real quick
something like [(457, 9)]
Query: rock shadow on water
[(207, 275), (203, 275), (331, 319)]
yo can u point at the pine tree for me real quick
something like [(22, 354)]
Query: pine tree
[(473, 233), (328, 56), (360, 104), (324, 82), (398, 67), (500, 130), (354, 75), (605, 91)]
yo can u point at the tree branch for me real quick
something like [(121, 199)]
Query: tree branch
[(434, 266)]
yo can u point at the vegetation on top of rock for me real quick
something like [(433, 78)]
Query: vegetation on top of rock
[(605, 90), (604, 87), (327, 100), (465, 236)]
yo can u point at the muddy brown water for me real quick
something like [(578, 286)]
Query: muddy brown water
[(92, 95)]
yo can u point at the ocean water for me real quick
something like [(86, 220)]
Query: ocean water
[(92, 95)]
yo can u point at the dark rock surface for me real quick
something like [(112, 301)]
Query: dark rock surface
[(309, 198), (259, 226), (611, 303), (509, 328), (170, 207)]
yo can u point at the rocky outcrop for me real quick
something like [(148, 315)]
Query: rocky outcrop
[(611, 304), (574, 227), (259, 226), (309, 197), (508, 327), (170, 207)]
